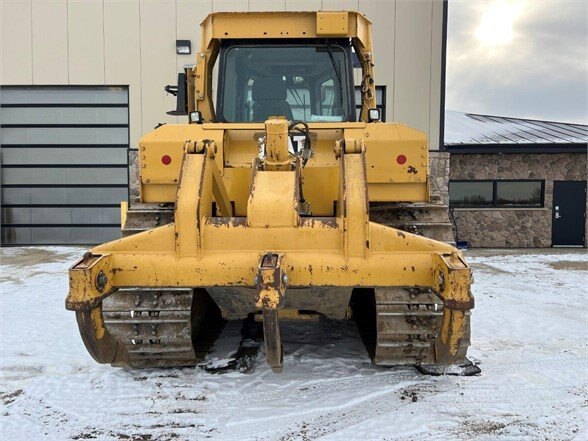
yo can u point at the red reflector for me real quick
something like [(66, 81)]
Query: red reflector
[(166, 159), (401, 159)]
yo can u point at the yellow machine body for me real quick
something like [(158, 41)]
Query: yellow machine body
[(237, 145), (240, 229)]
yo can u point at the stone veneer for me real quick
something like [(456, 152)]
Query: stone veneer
[(439, 176), (512, 227), (134, 176)]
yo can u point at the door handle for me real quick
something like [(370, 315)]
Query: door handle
[(557, 215)]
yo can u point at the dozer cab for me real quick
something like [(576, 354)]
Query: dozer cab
[(268, 192)]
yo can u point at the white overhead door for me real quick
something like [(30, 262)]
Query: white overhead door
[(63, 163)]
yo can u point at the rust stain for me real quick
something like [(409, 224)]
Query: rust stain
[(319, 222), (227, 222)]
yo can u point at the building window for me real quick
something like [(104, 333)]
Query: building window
[(519, 193), (496, 193), (470, 194), (380, 101)]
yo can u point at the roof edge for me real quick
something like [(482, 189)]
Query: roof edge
[(518, 148)]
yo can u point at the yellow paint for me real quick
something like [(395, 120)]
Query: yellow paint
[(332, 24), (83, 292), (98, 323), (270, 283), (336, 246), (219, 192), (354, 203), (281, 25), (194, 202), (276, 145), (237, 145), (284, 25), (272, 202), (124, 207)]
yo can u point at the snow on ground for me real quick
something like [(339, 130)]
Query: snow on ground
[(529, 336)]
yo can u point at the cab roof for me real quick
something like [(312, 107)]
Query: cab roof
[(285, 25)]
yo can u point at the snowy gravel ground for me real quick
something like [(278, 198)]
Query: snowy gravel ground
[(529, 336)]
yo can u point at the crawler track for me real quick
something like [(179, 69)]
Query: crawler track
[(178, 327), (407, 322), (162, 327)]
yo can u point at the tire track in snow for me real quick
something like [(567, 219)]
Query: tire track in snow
[(316, 421), (385, 399), (384, 396), (304, 390)]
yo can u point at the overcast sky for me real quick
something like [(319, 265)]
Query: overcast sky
[(520, 58)]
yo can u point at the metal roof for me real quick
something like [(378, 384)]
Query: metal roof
[(469, 129)]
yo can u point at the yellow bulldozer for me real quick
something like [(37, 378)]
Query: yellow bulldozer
[(260, 206)]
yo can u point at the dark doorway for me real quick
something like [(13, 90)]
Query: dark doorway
[(569, 211)]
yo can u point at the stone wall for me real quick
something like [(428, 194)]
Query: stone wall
[(134, 176), (439, 176), (512, 227)]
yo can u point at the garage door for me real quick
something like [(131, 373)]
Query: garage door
[(63, 164)]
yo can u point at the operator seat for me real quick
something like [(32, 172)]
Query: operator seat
[(269, 99)]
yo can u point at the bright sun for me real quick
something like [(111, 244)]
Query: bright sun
[(496, 26)]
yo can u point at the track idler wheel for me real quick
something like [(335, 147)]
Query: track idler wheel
[(101, 345)]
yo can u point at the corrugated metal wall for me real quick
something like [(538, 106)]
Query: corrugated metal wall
[(63, 163), (132, 42)]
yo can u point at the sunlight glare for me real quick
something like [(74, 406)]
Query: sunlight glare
[(496, 26)]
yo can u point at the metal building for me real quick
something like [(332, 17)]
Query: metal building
[(82, 80)]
